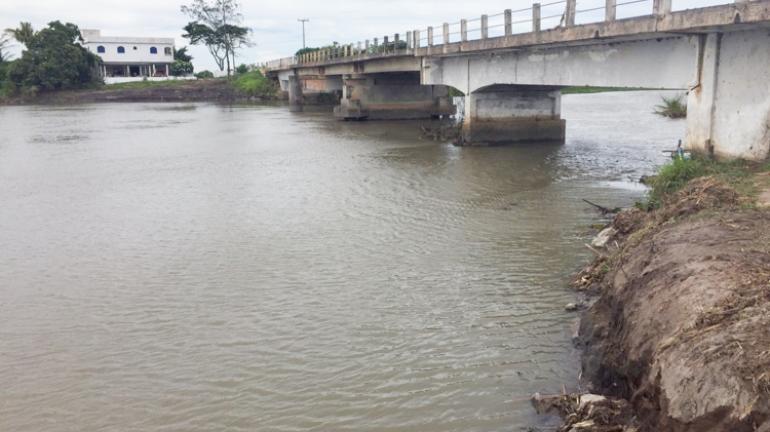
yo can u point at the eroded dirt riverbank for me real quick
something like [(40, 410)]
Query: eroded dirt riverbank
[(678, 338)]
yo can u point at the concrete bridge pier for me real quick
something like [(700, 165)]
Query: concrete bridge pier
[(728, 107), (504, 114), (296, 101), (312, 90), (391, 96)]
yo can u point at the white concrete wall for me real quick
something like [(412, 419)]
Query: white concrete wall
[(515, 102), (728, 112), (664, 63), (139, 55), (742, 114)]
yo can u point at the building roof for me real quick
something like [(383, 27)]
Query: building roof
[(94, 36)]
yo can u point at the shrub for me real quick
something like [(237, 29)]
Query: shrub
[(242, 69), (181, 68), (5, 86), (254, 84), (305, 51), (204, 75), (674, 107)]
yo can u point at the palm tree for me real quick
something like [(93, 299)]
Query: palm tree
[(23, 34), (5, 45), (181, 54)]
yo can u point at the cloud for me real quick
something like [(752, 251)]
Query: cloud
[(276, 32)]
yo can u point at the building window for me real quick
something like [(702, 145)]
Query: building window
[(121, 50), (134, 48), (153, 50), (167, 50), (100, 49)]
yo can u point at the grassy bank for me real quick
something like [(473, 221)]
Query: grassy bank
[(146, 85), (675, 175), (254, 84), (249, 86), (589, 90)]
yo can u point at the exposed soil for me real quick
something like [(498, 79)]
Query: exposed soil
[(681, 327), (215, 90)]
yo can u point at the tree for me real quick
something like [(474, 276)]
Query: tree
[(182, 65), (202, 34), (216, 25), (182, 54), (5, 45), (24, 34), (54, 59), (235, 38), (181, 68)]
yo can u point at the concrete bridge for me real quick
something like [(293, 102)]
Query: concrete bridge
[(511, 67)]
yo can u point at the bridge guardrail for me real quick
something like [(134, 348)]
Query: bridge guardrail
[(538, 17)]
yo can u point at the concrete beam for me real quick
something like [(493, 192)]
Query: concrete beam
[(569, 13), (610, 10), (445, 33), (661, 7), (665, 63), (536, 17)]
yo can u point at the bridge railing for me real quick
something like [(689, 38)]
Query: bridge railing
[(538, 17)]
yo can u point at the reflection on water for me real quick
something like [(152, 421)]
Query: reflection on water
[(204, 268)]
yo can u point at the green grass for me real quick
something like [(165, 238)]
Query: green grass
[(673, 107), (146, 84), (588, 90), (677, 173), (254, 84)]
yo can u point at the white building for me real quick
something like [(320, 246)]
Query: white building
[(131, 57)]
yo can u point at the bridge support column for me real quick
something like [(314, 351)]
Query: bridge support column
[(295, 94), (504, 114), (313, 91), (728, 109), (391, 96)]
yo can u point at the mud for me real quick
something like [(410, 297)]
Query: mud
[(681, 325)]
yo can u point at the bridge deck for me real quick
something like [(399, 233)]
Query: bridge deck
[(662, 23)]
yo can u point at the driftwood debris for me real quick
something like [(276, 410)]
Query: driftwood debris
[(604, 210)]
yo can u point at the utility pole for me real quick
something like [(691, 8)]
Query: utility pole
[(303, 21)]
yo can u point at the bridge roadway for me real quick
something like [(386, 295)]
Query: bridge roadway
[(719, 55)]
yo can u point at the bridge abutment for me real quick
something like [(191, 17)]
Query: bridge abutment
[(505, 114), (728, 109), (391, 96)]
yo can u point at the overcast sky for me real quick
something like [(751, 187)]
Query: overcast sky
[(276, 31)]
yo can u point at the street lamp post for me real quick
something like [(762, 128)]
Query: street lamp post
[(303, 21)]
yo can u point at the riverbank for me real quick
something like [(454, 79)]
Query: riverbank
[(240, 89), (676, 336)]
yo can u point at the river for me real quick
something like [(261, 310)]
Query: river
[(194, 267)]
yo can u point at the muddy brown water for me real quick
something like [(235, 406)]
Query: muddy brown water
[(194, 267)]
